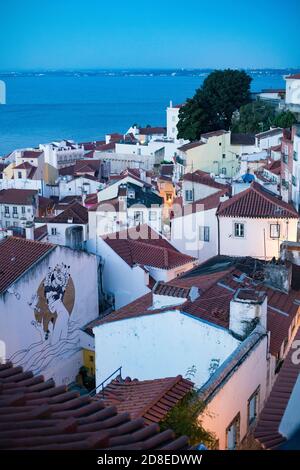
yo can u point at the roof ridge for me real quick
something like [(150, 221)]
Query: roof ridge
[(166, 389)]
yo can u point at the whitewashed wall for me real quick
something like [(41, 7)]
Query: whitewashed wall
[(160, 345), (25, 342), (253, 242), (185, 234), (232, 398)]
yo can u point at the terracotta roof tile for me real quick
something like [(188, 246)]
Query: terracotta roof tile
[(38, 415), (202, 177), (147, 248), (148, 399), (17, 196), (267, 429), (17, 256), (255, 202), (213, 305), (75, 212)]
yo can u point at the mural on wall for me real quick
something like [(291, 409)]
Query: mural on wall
[(58, 333)]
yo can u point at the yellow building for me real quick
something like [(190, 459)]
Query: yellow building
[(217, 152), (89, 360)]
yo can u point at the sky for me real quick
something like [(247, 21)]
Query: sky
[(91, 34)]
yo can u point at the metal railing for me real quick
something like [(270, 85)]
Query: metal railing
[(101, 385)]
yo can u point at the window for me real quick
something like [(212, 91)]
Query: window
[(233, 433), (294, 181), (239, 230), (223, 171), (169, 197), (152, 215), (189, 194), (138, 217), (53, 231), (253, 403), (7, 224), (274, 231), (204, 233), (6, 211), (23, 210), (15, 211), (19, 174)]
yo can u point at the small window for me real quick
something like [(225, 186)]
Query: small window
[(253, 404), (233, 433), (152, 215), (19, 175), (6, 210), (7, 224), (53, 231), (204, 233), (15, 210), (224, 171), (274, 230), (23, 210), (91, 358), (189, 195), (169, 197), (239, 230), (138, 217)]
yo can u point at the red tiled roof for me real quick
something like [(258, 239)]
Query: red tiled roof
[(40, 232), (190, 146), (17, 196), (293, 76), (213, 304), (202, 177), (37, 415), (148, 399), (152, 130), (269, 133), (31, 153), (207, 135), (154, 251), (24, 166), (75, 212), (45, 202), (267, 429), (274, 166), (255, 202), (17, 256)]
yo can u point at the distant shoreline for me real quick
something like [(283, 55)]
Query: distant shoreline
[(155, 72)]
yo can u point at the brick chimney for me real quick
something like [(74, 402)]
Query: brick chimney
[(247, 309)]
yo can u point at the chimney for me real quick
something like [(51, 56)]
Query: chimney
[(278, 275), (247, 309), (164, 295), (171, 104), (29, 231)]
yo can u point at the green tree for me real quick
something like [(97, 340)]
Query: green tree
[(183, 419), (285, 119), (212, 106), (254, 117)]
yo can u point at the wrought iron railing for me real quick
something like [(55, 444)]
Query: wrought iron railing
[(100, 388)]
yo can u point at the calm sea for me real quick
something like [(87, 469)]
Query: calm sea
[(84, 106)]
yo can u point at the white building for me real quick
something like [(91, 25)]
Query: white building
[(222, 339), (68, 228), (172, 120), (292, 98), (194, 228), (254, 223), (199, 185), (137, 257), (47, 295), (268, 139), (17, 206), (63, 153), (296, 171), (78, 186)]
